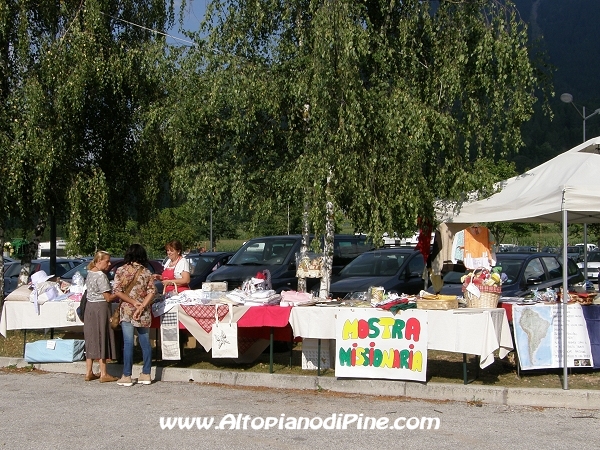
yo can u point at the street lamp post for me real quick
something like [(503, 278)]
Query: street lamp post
[(568, 98)]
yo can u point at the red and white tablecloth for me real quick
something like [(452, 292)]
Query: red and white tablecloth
[(254, 324)]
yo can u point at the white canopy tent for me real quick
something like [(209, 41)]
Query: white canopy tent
[(564, 190)]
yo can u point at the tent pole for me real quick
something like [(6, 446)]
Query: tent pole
[(565, 293), (585, 252)]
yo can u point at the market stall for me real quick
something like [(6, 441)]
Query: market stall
[(467, 330), (22, 316), (19, 313), (584, 337), (258, 327), (564, 190)]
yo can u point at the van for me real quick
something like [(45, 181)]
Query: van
[(590, 247), (277, 254), (44, 249)]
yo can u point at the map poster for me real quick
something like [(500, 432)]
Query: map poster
[(539, 336), (373, 343)]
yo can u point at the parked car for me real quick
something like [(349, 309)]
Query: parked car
[(153, 266), (525, 271), (278, 255), (593, 265), (11, 274), (394, 269), (522, 249), (8, 260), (574, 252), (590, 247), (203, 264)]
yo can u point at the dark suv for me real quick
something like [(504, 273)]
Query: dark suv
[(525, 271), (278, 255)]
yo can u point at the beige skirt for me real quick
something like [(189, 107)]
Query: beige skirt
[(99, 336)]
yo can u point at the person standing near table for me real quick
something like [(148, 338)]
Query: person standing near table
[(99, 336), (176, 271), (135, 311)]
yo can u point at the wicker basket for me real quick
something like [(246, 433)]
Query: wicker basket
[(423, 303), (490, 295)]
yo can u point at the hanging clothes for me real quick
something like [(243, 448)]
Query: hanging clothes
[(444, 236), (424, 239), (474, 246)]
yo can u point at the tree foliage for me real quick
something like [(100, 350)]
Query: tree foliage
[(75, 77), (397, 103)]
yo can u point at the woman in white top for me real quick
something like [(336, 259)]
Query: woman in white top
[(176, 271), (99, 336)]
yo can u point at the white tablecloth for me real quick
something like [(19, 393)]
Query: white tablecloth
[(472, 331), (317, 322), (22, 316)]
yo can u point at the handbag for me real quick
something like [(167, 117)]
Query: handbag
[(82, 304), (224, 338), (115, 318)]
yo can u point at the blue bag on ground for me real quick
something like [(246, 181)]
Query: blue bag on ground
[(55, 351)]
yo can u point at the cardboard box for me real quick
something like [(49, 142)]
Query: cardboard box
[(55, 351), (214, 286), (310, 354)]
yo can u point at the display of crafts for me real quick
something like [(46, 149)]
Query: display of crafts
[(310, 267), (484, 277)]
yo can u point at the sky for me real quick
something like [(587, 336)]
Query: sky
[(193, 14)]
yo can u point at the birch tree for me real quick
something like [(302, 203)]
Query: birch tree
[(75, 77), (379, 107)]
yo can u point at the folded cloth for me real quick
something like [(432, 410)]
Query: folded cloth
[(402, 306)]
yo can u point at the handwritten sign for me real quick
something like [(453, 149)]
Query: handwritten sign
[(373, 343)]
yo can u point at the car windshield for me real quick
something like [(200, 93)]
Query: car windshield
[(511, 268), (200, 263), (453, 278), (12, 270), (263, 252), (594, 257), (374, 264), (81, 268)]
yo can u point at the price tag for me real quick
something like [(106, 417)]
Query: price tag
[(51, 345), (474, 290)]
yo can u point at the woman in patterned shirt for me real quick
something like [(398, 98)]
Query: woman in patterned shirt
[(135, 312)]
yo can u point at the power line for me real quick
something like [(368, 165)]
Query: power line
[(150, 29)]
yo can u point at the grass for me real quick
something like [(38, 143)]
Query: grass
[(442, 367)]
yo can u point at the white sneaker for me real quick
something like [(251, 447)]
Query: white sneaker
[(126, 381), (144, 378)]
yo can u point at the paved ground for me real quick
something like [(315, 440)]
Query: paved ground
[(58, 410), (536, 397)]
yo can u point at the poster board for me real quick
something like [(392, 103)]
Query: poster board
[(372, 343), (539, 336)]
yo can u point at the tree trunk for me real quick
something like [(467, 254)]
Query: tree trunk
[(31, 253), (304, 247), (328, 244), (2, 267)]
